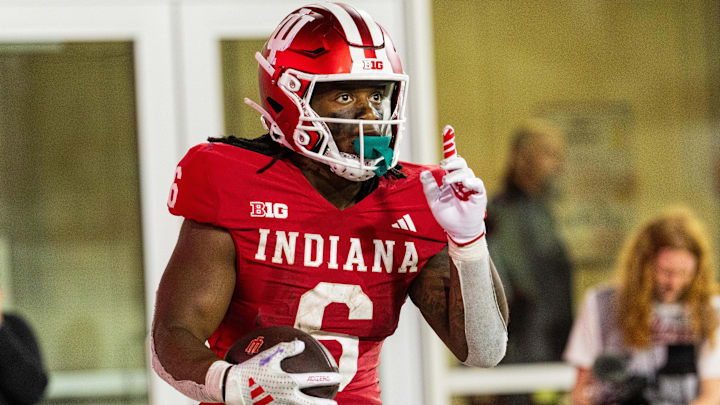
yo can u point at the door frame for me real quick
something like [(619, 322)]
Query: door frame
[(147, 24)]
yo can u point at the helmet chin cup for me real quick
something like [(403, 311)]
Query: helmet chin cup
[(349, 166), (349, 172)]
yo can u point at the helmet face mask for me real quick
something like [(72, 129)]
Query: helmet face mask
[(380, 102), (350, 126), (317, 53)]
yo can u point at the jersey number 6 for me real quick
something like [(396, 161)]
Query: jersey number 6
[(172, 198), (310, 314)]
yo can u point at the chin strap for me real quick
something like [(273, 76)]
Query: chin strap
[(485, 329)]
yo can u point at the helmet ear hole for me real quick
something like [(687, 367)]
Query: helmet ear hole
[(277, 107)]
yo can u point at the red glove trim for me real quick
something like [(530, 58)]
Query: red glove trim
[(466, 243)]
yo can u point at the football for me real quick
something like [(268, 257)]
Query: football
[(314, 358)]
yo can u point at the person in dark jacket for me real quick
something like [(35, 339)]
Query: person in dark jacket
[(22, 374), (530, 256)]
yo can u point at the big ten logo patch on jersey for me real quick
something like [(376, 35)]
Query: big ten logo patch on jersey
[(254, 345), (268, 210)]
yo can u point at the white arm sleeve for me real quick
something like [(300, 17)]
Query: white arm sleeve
[(485, 329), (211, 391)]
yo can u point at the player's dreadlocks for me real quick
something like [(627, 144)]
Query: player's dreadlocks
[(266, 146)]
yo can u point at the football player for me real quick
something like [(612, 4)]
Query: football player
[(317, 225)]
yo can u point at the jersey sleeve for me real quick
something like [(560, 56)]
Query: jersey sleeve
[(193, 194), (709, 359)]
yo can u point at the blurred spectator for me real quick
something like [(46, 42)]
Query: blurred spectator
[(22, 375), (652, 337), (530, 256)]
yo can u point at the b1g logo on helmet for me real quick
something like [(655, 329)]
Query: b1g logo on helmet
[(268, 210), (372, 64)]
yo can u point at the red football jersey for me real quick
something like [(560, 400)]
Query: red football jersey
[(341, 275)]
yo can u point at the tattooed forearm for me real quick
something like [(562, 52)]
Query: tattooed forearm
[(430, 295), (436, 292)]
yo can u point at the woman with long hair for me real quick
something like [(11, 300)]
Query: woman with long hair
[(652, 336)]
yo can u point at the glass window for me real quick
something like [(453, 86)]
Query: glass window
[(70, 230)]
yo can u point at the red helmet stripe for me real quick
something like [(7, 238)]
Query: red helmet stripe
[(352, 35)]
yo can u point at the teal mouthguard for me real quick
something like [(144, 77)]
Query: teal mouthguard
[(376, 147)]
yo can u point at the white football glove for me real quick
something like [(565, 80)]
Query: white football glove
[(253, 380), (462, 219)]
